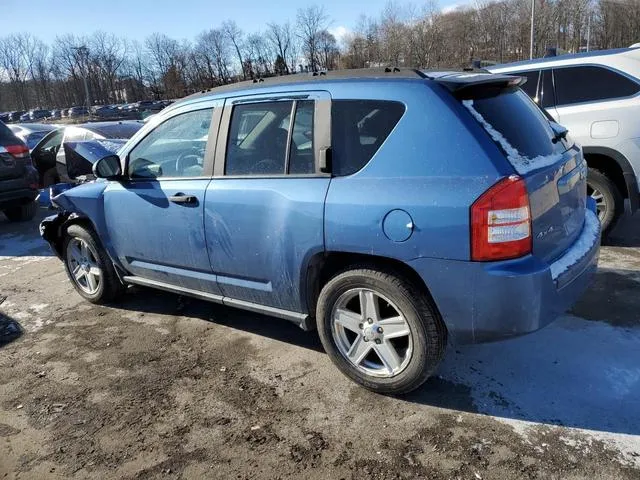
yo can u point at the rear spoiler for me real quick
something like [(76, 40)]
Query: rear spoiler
[(456, 82)]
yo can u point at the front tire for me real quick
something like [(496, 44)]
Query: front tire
[(89, 267), (609, 201), (22, 213), (380, 330)]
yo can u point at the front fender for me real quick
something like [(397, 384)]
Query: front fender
[(52, 228)]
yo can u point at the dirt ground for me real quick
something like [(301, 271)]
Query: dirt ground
[(161, 386)]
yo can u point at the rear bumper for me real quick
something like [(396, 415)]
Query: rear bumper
[(483, 302), (18, 190)]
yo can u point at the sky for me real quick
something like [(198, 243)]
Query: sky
[(180, 19)]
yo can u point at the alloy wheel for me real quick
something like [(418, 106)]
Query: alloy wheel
[(82, 261), (371, 333), (601, 202)]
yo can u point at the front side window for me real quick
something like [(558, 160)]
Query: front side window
[(590, 84), (262, 142), (175, 148)]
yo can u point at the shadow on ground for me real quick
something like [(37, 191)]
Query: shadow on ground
[(142, 299), (19, 239), (578, 372), (626, 233), (10, 330), (581, 371)]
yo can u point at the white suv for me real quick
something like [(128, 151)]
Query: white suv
[(596, 96)]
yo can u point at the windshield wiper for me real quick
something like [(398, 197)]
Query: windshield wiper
[(559, 132)]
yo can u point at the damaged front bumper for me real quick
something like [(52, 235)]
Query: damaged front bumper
[(50, 230)]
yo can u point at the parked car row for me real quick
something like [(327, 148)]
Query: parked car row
[(128, 110), (35, 156), (396, 211)]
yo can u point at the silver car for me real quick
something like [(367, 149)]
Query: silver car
[(595, 95)]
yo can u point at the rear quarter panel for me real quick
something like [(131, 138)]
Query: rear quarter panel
[(433, 165)]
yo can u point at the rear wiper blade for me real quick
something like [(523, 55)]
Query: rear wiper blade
[(559, 132)]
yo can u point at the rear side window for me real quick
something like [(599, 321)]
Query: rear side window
[(358, 129), (547, 95), (590, 84), (519, 126), (531, 85), (264, 141)]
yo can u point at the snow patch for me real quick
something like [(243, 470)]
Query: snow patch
[(522, 164), (590, 235)]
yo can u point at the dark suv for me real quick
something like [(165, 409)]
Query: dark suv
[(18, 178)]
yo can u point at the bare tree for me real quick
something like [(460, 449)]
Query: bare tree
[(16, 58), (213, 50), (310, 22), (35, 74), (280, 36), (108, 54), (235, 36), (328, 52)]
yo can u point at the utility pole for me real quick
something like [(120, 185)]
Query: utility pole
[(83, 55), (533, 11), (589, 31)]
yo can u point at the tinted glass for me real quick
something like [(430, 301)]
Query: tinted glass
[(358, 128), (33, 138), (531, 85), (301, 160), (591, 83), (258, 135), (175, 148), (519, 120), (118, 130), (547, 95)]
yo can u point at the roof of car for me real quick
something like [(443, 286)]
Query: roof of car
[(33, 127), (302, 78), (560, 58)]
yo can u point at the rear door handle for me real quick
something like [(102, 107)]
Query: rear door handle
[(182, 198)]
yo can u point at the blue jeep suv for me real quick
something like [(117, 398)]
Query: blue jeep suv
[(395, 210)]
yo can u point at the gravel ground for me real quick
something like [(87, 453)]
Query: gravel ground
[(161, 386)]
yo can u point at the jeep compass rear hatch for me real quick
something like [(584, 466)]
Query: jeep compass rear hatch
[(553, 170)]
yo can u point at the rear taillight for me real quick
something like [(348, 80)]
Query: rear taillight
[(501, 222), (18, 151)]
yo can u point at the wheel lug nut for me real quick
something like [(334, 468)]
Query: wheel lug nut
[(378, 341), (366, 339), (360, 326), (379, 329), (369, 320)]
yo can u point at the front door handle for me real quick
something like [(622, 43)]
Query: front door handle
[(182, 198)]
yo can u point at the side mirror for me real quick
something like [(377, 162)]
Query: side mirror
[(108, 167)]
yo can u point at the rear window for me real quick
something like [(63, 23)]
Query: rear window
[(358, 129), (118, 130), (518, 126)]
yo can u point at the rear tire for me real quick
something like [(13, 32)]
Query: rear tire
[(609, 200), (89, 267), (362, 344), (22, 213)]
